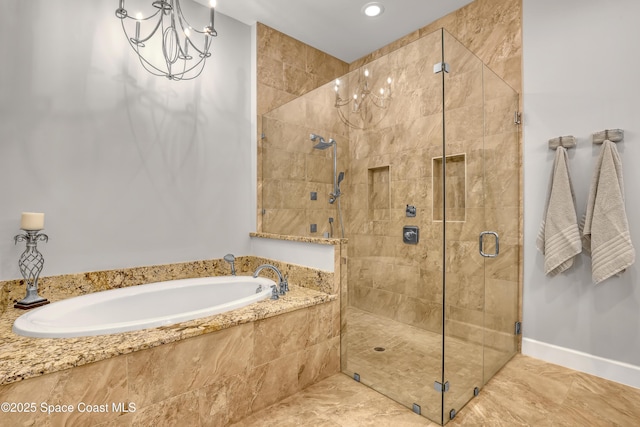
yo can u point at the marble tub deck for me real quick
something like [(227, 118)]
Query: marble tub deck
[(22, 357)]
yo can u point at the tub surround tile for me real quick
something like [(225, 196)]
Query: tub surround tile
[(24, 357), (318, 362), (207, 373), (181, 410), (280, 336), (214, 405), (196, 362)]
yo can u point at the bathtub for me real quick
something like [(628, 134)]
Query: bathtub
[(143, 306)]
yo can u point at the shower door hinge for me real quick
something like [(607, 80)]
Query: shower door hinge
[(517, 118), (442, 388), (439, 67), (518, 328)]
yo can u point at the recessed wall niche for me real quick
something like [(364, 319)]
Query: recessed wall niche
[(379, 196), (454, 194)]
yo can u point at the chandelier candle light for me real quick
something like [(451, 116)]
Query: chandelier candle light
[(176, 39), (362, 97), (31, 261)]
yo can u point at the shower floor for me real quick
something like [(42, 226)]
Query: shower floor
[(403, 362)]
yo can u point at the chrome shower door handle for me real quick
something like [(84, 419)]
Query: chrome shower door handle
[(481, 244)]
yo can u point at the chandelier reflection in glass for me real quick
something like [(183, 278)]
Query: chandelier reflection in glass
[(355, 111), (182, 58)]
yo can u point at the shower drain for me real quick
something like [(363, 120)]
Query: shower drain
[(379, 348)]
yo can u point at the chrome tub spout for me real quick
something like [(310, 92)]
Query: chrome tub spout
[(283, 285)]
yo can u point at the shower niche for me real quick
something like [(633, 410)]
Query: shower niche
[(378, 200), (445, 144), (451, 188)]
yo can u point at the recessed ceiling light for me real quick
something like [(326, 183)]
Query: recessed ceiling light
[(373, 9)]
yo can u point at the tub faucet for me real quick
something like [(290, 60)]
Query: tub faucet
[(231, 260), (283, 285)]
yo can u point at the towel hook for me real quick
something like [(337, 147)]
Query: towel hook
[(613, 135), (568, 141)]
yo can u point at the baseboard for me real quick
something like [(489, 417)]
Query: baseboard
[(613, 370)]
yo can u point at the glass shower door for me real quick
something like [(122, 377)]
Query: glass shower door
[(394, 312), (480, 199)]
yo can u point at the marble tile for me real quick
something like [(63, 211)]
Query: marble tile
[(182, 409), (318, 361), (213, 405), (262, 386), (280, 336), (194, 363), (526, 392), (322, 323), (270, 72), (270, 98), (336, 401)]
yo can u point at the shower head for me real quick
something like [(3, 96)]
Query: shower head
[(340, 177), (323, 145)]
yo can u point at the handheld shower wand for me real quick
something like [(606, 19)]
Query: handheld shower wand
[(231, 260)]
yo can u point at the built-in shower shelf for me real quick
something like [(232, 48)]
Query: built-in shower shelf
[(379, 196), (450, 200)]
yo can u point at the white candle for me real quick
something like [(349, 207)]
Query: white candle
[(32, 221)]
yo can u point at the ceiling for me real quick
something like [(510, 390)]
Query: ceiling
[(338, 27)]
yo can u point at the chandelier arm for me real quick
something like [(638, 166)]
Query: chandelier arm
[(152, 32), (207, 45), (152, 69), (181, 18), (158, 72)]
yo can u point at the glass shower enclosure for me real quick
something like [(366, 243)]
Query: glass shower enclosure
[(430, 207)]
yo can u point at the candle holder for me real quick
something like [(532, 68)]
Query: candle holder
[(31, 263)]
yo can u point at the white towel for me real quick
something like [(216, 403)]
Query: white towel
[(606, 229), (559, 237)]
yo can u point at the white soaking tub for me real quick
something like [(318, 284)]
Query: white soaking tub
[(143, 306)]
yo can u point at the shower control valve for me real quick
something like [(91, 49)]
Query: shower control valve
[(410, 234)]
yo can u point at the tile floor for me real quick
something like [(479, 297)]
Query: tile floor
[(526, 392), (403, 362)]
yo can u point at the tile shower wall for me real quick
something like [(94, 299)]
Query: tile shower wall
[(406, 141), (292, 169), (287, 69), (390, 165), (492, 30)]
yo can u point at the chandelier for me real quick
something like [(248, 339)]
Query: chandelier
[(182, 58), (360, 112)]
